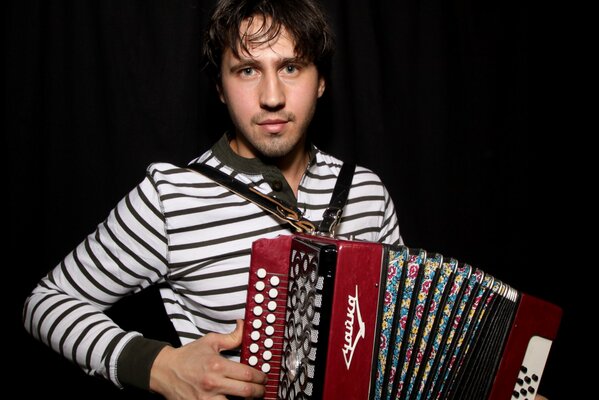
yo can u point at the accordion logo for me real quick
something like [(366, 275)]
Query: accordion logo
[(353, 322)]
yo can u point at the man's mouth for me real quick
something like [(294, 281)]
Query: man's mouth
[(273, 125)]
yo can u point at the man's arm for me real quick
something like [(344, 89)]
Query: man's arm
[(126, 253), (390, 228)]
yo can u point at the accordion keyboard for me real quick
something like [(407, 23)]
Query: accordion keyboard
[(267, 322)]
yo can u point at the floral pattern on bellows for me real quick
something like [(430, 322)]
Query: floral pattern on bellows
[(432, 308)]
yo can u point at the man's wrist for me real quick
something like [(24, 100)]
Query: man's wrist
[(136, 360)]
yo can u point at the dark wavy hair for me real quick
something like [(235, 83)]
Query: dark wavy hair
[(304, 20)]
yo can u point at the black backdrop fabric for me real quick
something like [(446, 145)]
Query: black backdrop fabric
[(431, 95)]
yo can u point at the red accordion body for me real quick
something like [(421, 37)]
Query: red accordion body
[(338, 319)]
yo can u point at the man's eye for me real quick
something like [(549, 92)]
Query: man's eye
[(247, 71), (290, 69)]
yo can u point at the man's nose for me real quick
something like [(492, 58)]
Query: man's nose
[(272, 93)]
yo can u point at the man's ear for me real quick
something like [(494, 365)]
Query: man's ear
[(321, 86), (219, 90)]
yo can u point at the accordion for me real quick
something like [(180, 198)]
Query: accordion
[(340, 319)]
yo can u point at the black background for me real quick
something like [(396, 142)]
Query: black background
[(431, 95)]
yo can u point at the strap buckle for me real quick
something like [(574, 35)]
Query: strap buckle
[(284, 211), (295, 218), (330, 220)]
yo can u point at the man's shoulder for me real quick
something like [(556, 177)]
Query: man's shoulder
[(333, 164), (164, 168), (168, 168), (168, 172)]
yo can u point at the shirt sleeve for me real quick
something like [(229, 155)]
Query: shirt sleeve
[(389, 232), (126, 253)]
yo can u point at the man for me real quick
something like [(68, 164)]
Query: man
[(270, 60)]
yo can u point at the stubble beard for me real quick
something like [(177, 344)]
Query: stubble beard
[(278, 145), (275, 146)]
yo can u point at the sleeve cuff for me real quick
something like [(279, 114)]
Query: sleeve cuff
[(135, 361)]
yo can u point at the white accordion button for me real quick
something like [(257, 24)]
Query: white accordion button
[(265, 368), (269, 330), (260, 286), (259, 298), (272, 305), (273, 293), (255, 335), (267, 355), (261, 273), (256, 324), (270, 318), (275, 281), (268, 343), (253, 360), (257, 311), (254, 348)]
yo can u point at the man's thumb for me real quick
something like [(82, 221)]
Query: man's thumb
[(233, 339)]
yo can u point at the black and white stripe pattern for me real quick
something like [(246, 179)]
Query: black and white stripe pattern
[(179, 227)]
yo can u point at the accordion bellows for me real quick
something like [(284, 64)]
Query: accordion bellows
[(338, 319)]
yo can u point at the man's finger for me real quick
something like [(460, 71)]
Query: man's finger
[(245, 373), (243, 389)]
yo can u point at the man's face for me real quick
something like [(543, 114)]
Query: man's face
[(271, 96)]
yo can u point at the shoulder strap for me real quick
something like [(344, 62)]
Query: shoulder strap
[(277, 207), (332, 214), (282, 209)]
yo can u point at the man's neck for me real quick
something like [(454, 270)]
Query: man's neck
[(292, 165), (293, 168)]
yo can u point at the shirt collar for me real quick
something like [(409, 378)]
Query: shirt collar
[(255, 166), (252, 166)]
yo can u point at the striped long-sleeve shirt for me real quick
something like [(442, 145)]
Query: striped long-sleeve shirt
[(179, 228)]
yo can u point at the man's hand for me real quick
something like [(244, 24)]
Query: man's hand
[(198, 371)]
